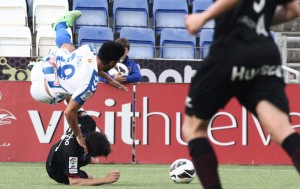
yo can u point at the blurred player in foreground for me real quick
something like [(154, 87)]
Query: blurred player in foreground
[(73, 74), (66, 157), (244, 62), (134, 74)]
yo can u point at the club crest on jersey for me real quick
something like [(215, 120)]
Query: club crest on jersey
[(90, 60), (73, 162), (86, 95)]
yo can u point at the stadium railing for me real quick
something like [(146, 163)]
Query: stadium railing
[(291, 75)]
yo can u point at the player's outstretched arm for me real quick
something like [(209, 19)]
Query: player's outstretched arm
[(112, 81), (71, 116), (111, 177), (194, 22), (286, 12)]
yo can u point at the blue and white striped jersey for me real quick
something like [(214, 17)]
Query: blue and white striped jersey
[(71, 74)]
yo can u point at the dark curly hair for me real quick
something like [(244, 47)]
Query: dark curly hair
[(110, 51), (97, 144)]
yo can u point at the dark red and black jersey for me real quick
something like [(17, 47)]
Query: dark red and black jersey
[(244, 32), (66, 157), (251, 17)]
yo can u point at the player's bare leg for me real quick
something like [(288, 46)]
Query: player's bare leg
[(276, 122), (194, 127), (203, 156)]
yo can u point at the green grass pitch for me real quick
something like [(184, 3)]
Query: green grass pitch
[(141, 176)]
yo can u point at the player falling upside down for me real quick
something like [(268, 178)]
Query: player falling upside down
[(66, 157), (73, 74), (244, 62)]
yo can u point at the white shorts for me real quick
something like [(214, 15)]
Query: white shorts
[(37, 89)]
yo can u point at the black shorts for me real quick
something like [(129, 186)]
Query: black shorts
[(214, 85)]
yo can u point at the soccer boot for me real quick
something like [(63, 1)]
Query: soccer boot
[(69, 18)]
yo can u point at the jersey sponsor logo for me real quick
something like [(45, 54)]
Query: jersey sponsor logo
[(73, 171), (259, 26), (73, 162), (243, 73), (86, 95)]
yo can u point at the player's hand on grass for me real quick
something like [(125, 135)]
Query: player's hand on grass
[(112, 176), (82, 143), (94, 160), (194, 22)]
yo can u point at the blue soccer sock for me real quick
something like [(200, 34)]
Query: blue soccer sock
[(62, 35)]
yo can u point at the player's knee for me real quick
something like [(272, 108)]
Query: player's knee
[(194, 128), (278, 129), (185, 131)]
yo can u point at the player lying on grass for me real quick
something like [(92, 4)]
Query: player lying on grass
[(66, 157)]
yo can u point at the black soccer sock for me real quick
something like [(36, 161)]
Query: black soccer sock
[(205, 162), (291, 144)]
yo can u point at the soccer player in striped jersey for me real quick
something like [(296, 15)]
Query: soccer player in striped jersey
[(72, 74)]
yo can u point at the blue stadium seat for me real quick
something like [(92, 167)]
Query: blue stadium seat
[(200, 6), (45, 12), (169, 14), (94, 13), (190, 2), (142, 42), (177, 44), (130, 13), (205, 40), (94, 35)]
